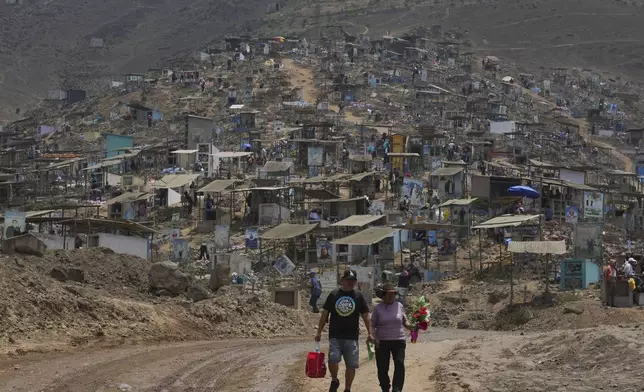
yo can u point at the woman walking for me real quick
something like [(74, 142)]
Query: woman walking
[(389, 323)]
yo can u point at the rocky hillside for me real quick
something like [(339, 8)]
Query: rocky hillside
[(46, 43), (94, 296)]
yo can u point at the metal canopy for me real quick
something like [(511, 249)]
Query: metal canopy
[(218, 186), (358, 220), (505, 221), (370, 236), (287, 231)]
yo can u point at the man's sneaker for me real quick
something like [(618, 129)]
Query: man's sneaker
[(335, 384)]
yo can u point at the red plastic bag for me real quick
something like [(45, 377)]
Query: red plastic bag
[(315, 365)]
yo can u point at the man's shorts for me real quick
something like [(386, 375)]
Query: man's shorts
[(344, 348)]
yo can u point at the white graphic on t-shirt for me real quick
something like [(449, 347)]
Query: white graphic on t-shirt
[(345, 306)]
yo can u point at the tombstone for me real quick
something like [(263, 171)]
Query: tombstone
[(96, 42)]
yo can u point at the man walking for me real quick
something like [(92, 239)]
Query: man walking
[(316, 292), (345, 306)]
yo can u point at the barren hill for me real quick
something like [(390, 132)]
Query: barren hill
[(604, 35), (42, 39)]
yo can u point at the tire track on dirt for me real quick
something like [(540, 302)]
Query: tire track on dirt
[(180, 378), (234, 365), (99, 375)]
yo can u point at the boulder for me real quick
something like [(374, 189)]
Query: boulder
[(573, 309), (76, 275), (197, 293), (166, 275), (219, 277), (60, 274), (463, 325)]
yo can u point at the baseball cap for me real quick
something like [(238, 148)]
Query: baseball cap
[(350, 275)]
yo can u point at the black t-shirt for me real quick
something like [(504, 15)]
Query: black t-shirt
[(345, 309)]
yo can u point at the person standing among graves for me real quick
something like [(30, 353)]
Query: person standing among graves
[(629, 267), (316, 292), (203, 252), (389, 323), (610, 277), (149, 120), (344, 306)]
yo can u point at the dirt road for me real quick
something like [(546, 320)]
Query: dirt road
[(445, 360), (252, 366), (421, 360), (200, 366)]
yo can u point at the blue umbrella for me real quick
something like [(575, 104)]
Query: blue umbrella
[(525, 191)]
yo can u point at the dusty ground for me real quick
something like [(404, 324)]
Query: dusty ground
[(114, 306), (583, 360), (443, 360)]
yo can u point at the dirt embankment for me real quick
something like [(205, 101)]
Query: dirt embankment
[(576, 361), (112, 305)]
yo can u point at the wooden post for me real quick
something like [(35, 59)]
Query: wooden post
[(480, 253), (511, 278), (402, 261), (546, 273)]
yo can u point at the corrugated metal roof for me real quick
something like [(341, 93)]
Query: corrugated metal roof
[(458, 202), (287, 231), (361, 176), (620, 173), (568, 184), (537, 163), (341, 200), (104, 164), (129, 197), (403, 154), (322, 179), (175, 180), (505, 221), (538, 247), (320, 194), (276, 167), (361, 158), (581, 187), (447, 171), (34, 214), (183, 151), (358, 220), (370, 236), (217, 186), (231, 154), (62, 164), (121, 224)]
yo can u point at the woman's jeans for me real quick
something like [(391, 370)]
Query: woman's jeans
[(391, 349)]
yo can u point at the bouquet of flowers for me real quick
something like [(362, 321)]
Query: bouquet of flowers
[(420, 318)]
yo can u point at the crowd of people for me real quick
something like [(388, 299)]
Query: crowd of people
[(626, 272)]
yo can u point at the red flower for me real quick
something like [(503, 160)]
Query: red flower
[(422, 326)]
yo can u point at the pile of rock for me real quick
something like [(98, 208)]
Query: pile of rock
[(238, 315), (165, 279)]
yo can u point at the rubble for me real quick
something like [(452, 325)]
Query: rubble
[(197, 293), (166, 276), (39, 309)]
